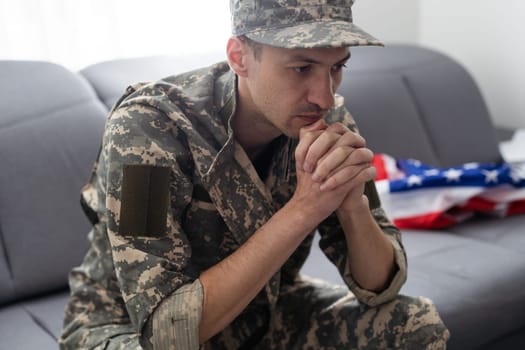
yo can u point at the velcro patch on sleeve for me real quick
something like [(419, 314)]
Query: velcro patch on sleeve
[(144, 200)]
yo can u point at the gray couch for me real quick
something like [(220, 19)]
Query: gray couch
[(408, 101)]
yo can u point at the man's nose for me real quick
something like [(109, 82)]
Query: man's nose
[(322, 92)]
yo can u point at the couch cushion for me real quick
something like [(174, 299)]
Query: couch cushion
[(508, 232), (453, 125), (19, 331), (477, 287), (50, 129), (514, 340), (48, 312)]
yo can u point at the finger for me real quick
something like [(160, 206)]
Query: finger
[(331, 161), (339, 158), (307, 136), (318, 125), (350, 138), (349, 176), (360, 156), (338, 128), (347, 142), (304, 144), (321, 146)]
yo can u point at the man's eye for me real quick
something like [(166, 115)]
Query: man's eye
[(339, 67), (301, 69)]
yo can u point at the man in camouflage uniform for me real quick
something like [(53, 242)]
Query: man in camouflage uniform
[(208, 189)]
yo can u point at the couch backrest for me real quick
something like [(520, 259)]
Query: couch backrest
[(50, 129), (110, 79), (413, 102)]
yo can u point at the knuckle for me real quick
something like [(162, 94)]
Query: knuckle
[(338, 127), (299, 151), (351, 138), (343, 152), (321, 170), (362, 155), (358, 140), (332, 182), (372, 172), (367, 174), (311, 156), (330, 137)]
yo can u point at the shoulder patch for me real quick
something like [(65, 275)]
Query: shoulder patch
[(144, 200)]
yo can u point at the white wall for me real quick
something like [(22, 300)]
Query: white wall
[(389, 20), (77, 33), (486, 36)]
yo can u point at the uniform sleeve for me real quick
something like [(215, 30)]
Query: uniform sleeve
[(177, 319), (333, 244), (333, 241), (145, 169)]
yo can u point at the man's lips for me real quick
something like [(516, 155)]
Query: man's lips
[(310, 118)]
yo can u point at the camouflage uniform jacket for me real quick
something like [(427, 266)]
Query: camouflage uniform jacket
[(173, 193)]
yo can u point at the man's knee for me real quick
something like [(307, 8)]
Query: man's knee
[(419, 323), (404, 323)]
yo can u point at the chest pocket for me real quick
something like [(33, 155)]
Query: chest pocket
[(207, 232)]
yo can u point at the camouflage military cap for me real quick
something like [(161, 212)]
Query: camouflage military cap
[(298, 23)]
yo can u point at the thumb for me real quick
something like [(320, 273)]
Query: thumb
[(318, 125), (307, 135)]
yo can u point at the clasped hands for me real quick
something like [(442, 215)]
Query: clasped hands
[(333, 165)]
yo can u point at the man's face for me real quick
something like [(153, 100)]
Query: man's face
[(291, 88)]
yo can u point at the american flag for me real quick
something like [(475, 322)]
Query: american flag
[(416, 195)]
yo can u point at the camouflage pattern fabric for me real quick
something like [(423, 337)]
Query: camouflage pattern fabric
[(312, 314), (298, 23), (138, 286)]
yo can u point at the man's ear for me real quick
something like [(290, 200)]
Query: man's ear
[(237, 51)]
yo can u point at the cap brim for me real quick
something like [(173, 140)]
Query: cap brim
[(315, 35)]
